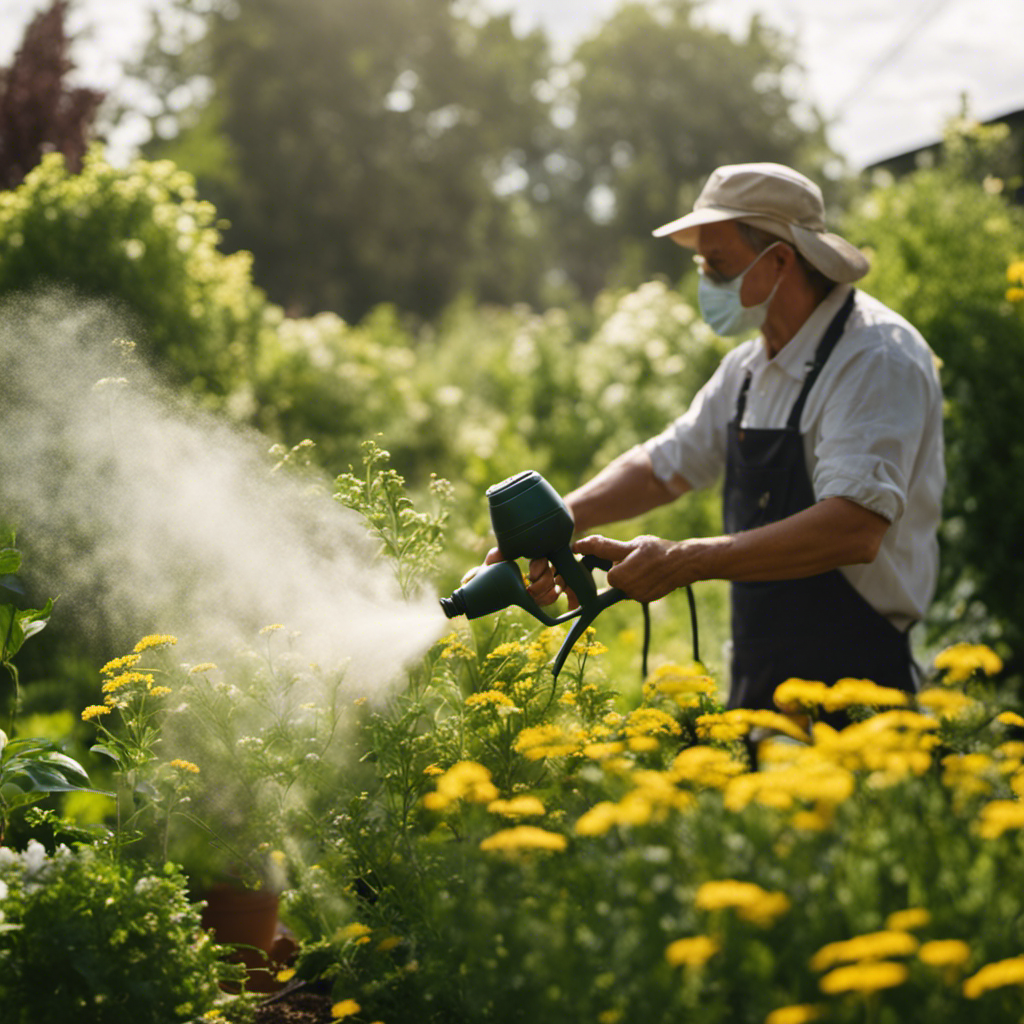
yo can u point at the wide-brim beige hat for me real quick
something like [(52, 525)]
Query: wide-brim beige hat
[(776, 199)]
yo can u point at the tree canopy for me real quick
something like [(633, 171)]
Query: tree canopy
[(413, 150)]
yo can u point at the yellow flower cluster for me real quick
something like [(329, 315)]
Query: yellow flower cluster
[(999, 816), (646, 721), (1015, 279), (961, 661), (907, 920), (453, 646), (749, 900), (799, 1013), (95, 710), (653, 796), (549, 740), (947, 703), (692, 952), (944, 953), (185, 766), (155, 641), (127, 679), (124, 662), (868, 977), (868, 744), (466, 781), (490, 699), (509, 649), (870, 947), (345, 1008), (995, 975), (705, 767), (684, 684), (524, 837), (804, 695), (731, 725), (522, 806)]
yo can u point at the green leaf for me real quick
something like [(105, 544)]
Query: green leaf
[(99, 748), (10, 561)]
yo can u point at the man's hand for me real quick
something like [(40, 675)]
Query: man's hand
[(646, 568), (545, 587)]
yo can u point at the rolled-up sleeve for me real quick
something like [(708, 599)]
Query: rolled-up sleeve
[(871, 430)]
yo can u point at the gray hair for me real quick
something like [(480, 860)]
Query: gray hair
[(758, 239)]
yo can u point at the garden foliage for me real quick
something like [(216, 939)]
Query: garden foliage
[(948, 253), (83, 937), (141, 239)]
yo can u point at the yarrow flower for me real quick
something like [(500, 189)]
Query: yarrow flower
[(866, 977), (127, 679), (202, 668), (799, 1013), (907, 920), (126, 661), (272, 628), (961, 661), (748, 899), (846, 693), (869, 947), (995, 975), (465, 780), (999, 816), (489, 698), (944, 953), (345, 1008), (522, 806), (185, 766), (799, 695), (95, 710), (540, 741), (155, 641), (692, 952), (524, 837)]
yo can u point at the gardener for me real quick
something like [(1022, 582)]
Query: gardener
[(828, 428)]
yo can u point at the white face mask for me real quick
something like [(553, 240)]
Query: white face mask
[(721, 307)]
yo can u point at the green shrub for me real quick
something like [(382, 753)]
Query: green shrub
[(141, 238), (945, 242), (85, 939)]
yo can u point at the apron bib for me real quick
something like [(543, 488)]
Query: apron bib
[(817, 628)]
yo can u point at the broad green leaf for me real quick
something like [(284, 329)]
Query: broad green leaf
[(99, 748), (10, 561), (67, 765)]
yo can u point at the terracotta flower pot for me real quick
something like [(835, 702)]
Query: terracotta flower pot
[(248, 918)]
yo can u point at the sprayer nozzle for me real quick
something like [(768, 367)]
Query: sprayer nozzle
[(453, 606)]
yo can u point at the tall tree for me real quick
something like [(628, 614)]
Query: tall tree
[(658, 102), (372, 143), (39, 112)]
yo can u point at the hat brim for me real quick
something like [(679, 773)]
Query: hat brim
[(835, 257)]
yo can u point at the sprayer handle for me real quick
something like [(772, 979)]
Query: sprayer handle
[(596, 562)]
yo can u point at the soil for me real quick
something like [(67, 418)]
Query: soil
[(296, 1006)]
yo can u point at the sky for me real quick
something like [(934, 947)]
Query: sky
[(886, 74)]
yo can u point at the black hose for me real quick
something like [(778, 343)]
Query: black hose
[(647, 633)]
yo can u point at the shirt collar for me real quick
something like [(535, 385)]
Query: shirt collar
[(800, 349)]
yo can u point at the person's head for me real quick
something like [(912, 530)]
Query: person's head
[(769, 220)]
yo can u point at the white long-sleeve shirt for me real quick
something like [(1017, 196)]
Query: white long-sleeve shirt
[(872, 431)]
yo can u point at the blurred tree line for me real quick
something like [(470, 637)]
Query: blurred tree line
[(410, 151)]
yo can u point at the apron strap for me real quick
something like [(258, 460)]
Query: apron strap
[(833, 333)]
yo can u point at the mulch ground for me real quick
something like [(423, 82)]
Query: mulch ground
[(299, 1006)]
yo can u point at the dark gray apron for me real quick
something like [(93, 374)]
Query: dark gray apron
[(816, 628)]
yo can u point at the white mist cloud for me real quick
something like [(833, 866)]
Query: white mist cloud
[(147, 516)]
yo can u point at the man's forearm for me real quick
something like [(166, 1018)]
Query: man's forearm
[(625, 488), (832, 533)]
